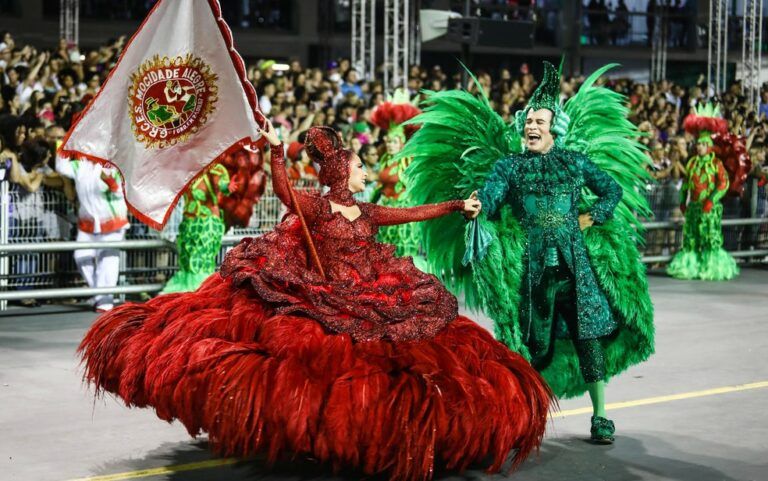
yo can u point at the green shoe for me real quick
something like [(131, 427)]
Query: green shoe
[(602, 430)]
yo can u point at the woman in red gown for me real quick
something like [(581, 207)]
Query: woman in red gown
[(370, 368)]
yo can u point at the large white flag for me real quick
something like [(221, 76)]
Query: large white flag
[(177, 100)]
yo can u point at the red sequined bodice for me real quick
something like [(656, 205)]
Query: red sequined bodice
[(368, 293)]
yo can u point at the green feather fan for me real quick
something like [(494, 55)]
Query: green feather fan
[(459, 140), (599, 128)]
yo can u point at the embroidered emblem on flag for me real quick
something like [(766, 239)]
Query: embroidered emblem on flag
[(170, 99)]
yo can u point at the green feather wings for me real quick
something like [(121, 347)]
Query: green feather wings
[(459, 140), (599, 128)]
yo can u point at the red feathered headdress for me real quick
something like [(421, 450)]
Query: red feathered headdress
[(390, 116), (704, 122)]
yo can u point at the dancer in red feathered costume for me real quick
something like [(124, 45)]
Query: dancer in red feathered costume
[(369, 368), (248, 180)]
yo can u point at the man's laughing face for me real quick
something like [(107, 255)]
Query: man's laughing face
[(538, 137)]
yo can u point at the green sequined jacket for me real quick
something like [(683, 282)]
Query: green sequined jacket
[(544, 192)]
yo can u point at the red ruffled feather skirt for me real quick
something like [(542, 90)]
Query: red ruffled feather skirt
[(222, 363)]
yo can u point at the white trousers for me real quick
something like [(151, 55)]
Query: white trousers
[(99, 267)]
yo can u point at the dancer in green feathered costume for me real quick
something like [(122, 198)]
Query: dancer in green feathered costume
[(200, 232), (390, 192), (553, 258), (702, 255)]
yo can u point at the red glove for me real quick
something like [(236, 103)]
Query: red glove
[(708, 206)]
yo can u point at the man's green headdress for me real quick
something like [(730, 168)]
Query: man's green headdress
[(547, 96)]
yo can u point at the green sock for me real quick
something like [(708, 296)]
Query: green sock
[(597, 395)]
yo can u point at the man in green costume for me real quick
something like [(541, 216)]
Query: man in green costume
[(702, 255), (391, 189), (553, 257), (201, 231)]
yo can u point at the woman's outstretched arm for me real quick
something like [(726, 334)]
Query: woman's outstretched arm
[(392, 215)]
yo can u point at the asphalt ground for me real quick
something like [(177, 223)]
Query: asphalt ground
[(695, 411)]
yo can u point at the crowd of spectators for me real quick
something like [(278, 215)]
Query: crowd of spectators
[(40, 90), (621, 22), (604, 22)]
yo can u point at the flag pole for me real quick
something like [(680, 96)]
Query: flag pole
[(295, 202), (307, 235)]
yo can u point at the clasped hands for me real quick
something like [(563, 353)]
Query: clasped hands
[(472, 206)]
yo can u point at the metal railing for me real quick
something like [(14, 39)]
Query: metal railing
[(37, 232), (36, 260), (733, 231)]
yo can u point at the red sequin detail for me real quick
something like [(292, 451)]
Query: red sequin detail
[(369, 293)]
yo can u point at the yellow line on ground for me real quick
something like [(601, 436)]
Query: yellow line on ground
[(664, 399), (145, 473)]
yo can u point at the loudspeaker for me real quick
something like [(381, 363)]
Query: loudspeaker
[(484, 32), (464, 30), (434, 23)]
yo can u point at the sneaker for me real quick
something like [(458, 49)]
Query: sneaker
[(602, 430), (102, 308)]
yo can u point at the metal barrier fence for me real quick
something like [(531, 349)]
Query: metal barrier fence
[(744, 221), (46, 217), (46, 220)]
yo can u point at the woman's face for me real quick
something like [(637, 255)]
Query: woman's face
[(371, 157), (394, 144), (355, 144), (702, 148), (357, 175), (21, 134)]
